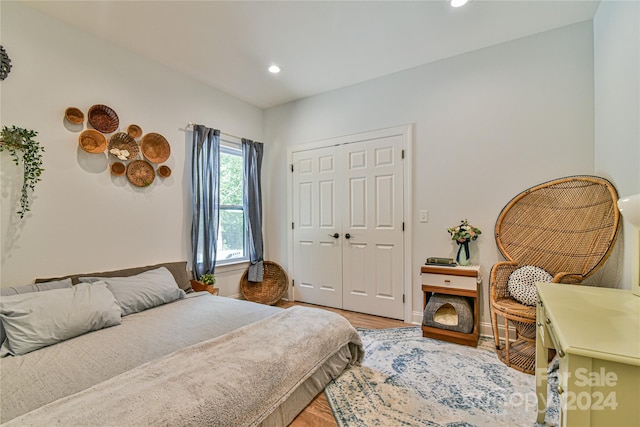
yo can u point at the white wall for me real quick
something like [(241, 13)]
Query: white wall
[(488, 125), (617, 110), (82, 218)]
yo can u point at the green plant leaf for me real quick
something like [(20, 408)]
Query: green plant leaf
[(17, 140)]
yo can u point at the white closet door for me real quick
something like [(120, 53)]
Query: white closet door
[(372, 260), (317, 254), (353, 191)]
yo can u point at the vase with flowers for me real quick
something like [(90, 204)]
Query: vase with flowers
[(463, 234)]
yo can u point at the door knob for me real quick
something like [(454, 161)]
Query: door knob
[(347, 236), (334, 235)]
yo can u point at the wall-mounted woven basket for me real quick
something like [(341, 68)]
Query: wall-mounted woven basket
[(272, 288), (155, 147), (103, 118), (74, 115), (118, 169), (92, 141), (134, 130), (124, 141), (164, 171), (140, 173)]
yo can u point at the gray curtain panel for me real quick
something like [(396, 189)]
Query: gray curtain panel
[(252, 200), (205, 172)]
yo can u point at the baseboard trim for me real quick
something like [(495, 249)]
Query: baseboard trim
[(416, 318)]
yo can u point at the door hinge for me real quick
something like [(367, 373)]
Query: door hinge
[(292, 225), (403, 298), (403, 154), (293, 282), (402, 226), (291, 165)]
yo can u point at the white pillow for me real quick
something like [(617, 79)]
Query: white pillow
[(38, 287), (142, 291), (38, 319), (521, 283)]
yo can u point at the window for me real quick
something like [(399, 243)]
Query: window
[(232, 240)]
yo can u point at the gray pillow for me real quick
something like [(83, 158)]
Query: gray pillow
[(142, 291), (38, 319), (38, 287), (177, 269)]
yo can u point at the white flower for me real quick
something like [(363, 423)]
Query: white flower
[(121, 154), (464, 232)]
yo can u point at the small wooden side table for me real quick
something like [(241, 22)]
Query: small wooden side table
[(460, 280), (199, 286)]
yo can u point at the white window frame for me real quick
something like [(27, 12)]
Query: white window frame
[(229, 146)]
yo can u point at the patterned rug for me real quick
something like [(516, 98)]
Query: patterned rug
[(408, 380)]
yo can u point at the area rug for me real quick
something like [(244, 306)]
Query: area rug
[(408, 380)]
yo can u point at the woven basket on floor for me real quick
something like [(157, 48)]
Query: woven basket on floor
[(273, 286)]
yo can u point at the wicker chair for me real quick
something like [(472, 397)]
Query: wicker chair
[(566, 226)]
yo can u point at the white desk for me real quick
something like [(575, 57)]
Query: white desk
[(596, 332)]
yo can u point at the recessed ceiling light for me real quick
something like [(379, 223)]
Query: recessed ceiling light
[(458, 3), (274, 69)]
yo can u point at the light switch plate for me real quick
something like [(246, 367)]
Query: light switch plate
[(424, 216)]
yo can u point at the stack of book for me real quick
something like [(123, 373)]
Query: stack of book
[(444, 262)]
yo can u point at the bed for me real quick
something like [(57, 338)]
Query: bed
[(197, 360)]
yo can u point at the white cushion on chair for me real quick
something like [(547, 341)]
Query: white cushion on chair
[(521, 283)]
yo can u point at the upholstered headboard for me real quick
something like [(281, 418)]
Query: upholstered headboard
[(177, 269)]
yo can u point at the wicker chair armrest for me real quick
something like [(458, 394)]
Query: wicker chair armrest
[(500, 273), (568, 278)]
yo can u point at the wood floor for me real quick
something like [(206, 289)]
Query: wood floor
[(318, 413)]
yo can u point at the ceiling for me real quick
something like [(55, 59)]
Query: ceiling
[(320, 45)]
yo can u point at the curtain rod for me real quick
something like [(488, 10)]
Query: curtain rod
[(191, 124)]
